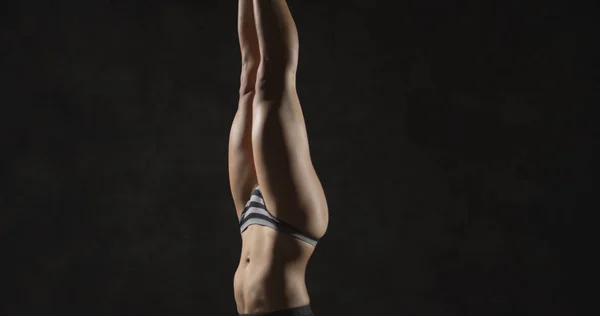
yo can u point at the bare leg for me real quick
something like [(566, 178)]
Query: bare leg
[(242, 174), (284, 168)]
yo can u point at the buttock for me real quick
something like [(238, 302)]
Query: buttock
[(295, 311)]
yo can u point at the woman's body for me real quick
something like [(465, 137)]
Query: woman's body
[(268, 147)]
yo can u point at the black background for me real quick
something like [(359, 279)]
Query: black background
[(451, 138)]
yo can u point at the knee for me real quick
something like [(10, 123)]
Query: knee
[(248, 77), (273, 79)]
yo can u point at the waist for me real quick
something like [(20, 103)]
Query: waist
[(259, 289), (271, 272), (304, 310)]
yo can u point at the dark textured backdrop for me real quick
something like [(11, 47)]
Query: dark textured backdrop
[(449, 139)]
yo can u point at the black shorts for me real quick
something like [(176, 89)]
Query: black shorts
[(296, 311)]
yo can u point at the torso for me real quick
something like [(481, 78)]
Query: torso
[(271, 272)]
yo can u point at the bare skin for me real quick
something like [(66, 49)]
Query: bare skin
[(268, 146)]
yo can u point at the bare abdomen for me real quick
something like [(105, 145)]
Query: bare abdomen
[(271, 273)]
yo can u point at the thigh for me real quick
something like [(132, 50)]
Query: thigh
[(242, 175), (288, 180)]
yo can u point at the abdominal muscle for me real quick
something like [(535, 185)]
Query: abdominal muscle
[(271, 272)]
